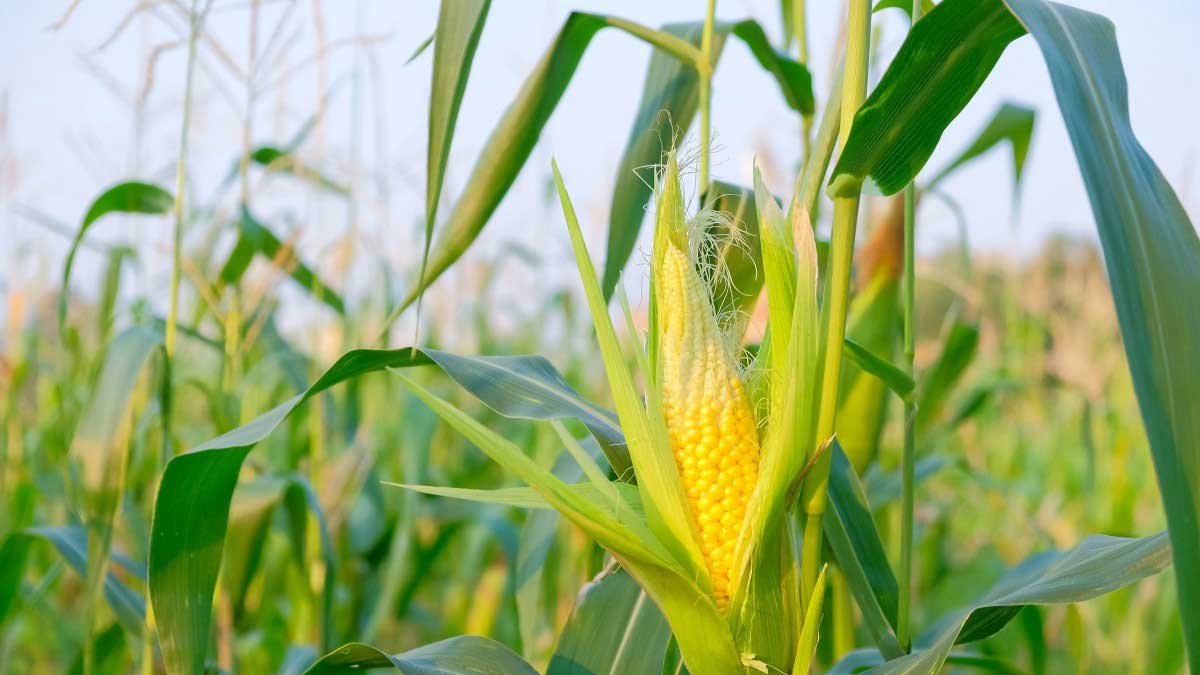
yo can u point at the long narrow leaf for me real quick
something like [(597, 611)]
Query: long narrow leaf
[(615, 629), (460, 24), (129, 197), (1098, 565), (463, 655)]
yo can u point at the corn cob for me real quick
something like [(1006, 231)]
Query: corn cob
[(709, 420)]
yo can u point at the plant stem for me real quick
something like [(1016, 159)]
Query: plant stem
[(706, 69), (836, 300), (197, 20), (908, 458), (800, 31), (808, 185)]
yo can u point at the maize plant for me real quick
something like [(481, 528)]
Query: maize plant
[(715, 475), (740, 475)]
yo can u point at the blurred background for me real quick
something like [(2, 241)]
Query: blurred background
[(90, 94), (1033, 441)]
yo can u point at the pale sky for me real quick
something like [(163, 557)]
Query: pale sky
[(68, 135)]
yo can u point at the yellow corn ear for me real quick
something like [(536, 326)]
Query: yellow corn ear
[(710, 422)]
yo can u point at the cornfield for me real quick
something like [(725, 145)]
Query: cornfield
[(766, 435)]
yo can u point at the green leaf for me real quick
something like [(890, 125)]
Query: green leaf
[(940, 66), (1098, 565), (194, 496), (851, 534), (1013, 124), (284, 160), (515, 136), (529, 498), (254, 238), (777, 251), (735, 255), (529, 387), (670, 98), (100, 447), (614, 628), (943, 375), (645, 432), (892, 375), (906, 5), (872, 322), (668, 105), (192, 509), (812, 623), (883, 488), (1153, 258), (463, 655), (72, 544), (793, 79), (129, 197), (459, 26)]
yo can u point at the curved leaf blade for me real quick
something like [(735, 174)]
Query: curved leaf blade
[(1152, 254), (513, 139), (1098, 565), (942, 63), (128, 197), (670, 98), (614, 629), (254, 238), (463, 655), (72, 544), (192, 510), (851, 533), (1011, 123)]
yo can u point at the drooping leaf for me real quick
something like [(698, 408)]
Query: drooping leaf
[(463, 655), (793, 79), (284, 160), (1098, 565), (1013, 124), (529, 387), (514, 137), (614, 628), (254, 238), (513, 140), (1152, 254), (942, 63), (194, 495), (129, 197)]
